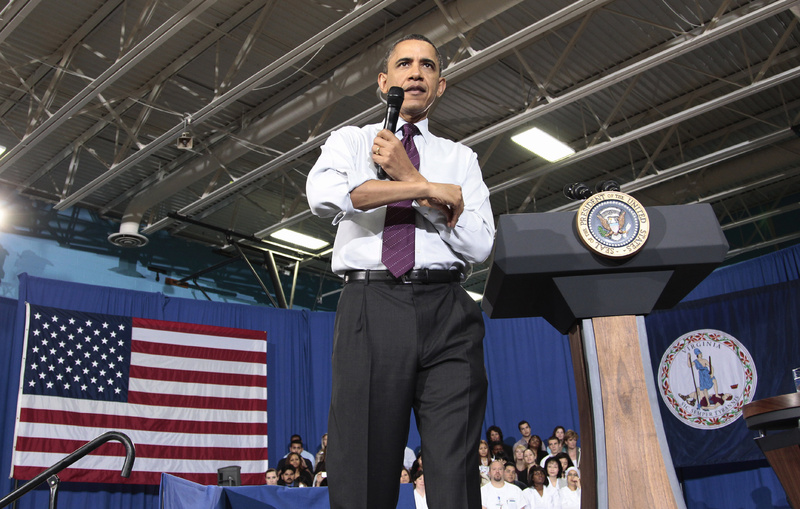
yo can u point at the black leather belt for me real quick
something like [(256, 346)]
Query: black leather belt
[(423, 276)]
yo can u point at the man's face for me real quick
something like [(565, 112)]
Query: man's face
[(497, 450), (496, 471), (288, 476), (296, 448), (272, 478), (555, 446), (510, 473), (414, 67), (525, 429)]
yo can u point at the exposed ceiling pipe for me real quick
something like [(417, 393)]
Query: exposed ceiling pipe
[(350, 79)]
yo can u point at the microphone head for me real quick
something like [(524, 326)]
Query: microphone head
[(394, 99), (577, 191), (607, 185)]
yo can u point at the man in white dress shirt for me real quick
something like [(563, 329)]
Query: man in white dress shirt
[(497, 493), (405, 337)]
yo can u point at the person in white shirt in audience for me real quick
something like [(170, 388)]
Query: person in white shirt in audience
[(554, 446), (419, 490), (538, 495), (498, 494), (570, 495)]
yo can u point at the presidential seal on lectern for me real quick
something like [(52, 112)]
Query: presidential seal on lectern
[(612, 224)]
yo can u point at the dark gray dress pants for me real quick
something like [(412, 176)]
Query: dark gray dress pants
[(398, 347)]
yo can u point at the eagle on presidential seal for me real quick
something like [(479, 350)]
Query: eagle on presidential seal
[(612, 223)]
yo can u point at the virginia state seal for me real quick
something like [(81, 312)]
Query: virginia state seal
[(705, 378)]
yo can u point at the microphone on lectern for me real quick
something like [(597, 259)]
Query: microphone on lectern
[(577, 191), (394, 100)]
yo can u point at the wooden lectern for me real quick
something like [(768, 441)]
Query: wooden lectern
[(541, 268), (782, 449)]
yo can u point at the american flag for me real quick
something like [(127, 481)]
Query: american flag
[(192, 398)]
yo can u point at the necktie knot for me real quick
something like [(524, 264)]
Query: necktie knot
[(410, 130)]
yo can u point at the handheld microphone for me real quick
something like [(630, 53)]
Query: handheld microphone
[(577, 191), (394, 100)]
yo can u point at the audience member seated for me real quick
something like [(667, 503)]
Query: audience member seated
[(571, 447), (554, 473), (320, 479), (483, 455), (535, 444), (288, 478), (405, 476), (510, 476), (495, 435), (323, 450), (271, 477), (558, 432), (539, 495), (497, 492), (419, 490), (566, 462), (519, 463), (570, 495), (498, 452), (525, 431), (530, 460), (554, 445), (302, 473), (296, 446)]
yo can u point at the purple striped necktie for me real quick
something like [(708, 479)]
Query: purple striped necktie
[(398, 229)]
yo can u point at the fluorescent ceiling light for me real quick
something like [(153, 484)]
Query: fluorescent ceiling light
[(477, 297), (299, 239), (543, 145), (2, 150)]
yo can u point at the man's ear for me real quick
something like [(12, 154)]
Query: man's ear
[(440, 87), (382, 82)]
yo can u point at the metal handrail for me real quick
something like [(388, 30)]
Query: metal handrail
[(127, 467)]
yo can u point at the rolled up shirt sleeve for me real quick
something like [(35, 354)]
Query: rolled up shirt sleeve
[(473, 235), (336, 173)]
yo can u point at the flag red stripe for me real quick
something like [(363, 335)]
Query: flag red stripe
[(196, 328), (106, 476), (198, 352), (174, 375), (60, 417), (146, 398), (52, 445)]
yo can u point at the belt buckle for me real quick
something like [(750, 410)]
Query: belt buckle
[(405, 278)]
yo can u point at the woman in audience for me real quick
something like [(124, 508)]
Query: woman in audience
[(563, 458), (483, 454), (323, 450), (405, 476), (419, 491), (519, 464), (538, 495), (301, 469), (570, 495), (553, 471), (535, 444), (558, 432), (530, 460), (571, 447)]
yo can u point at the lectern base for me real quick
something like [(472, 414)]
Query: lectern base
[(625, 459)]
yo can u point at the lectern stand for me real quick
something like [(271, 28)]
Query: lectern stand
[(541, 268)]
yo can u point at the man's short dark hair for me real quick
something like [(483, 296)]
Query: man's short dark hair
[(523, 422), (411, 37)]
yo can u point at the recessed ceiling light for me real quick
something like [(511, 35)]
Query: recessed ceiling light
[(299, 239), (543, 145)]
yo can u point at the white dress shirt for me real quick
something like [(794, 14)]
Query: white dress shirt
[(346, 163)]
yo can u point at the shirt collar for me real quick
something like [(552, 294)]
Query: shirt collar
[(422, 125)]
